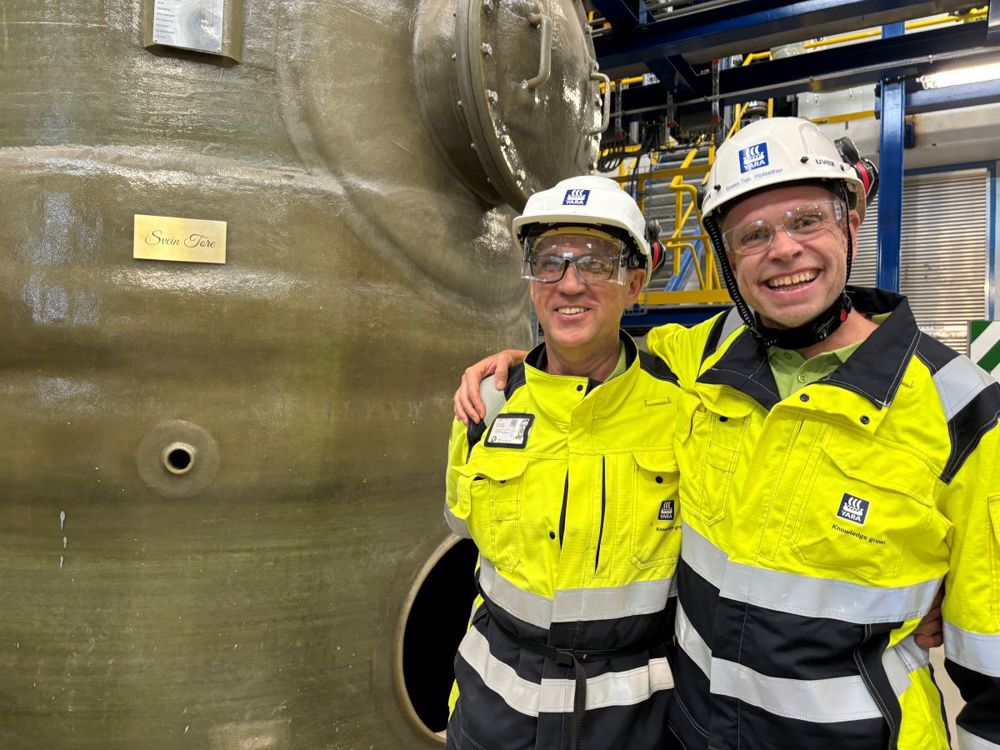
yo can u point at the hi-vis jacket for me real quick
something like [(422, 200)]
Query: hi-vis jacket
[(817, 530), (571, 497)]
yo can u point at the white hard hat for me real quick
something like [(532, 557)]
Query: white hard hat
[(771, 152), (590, 200)]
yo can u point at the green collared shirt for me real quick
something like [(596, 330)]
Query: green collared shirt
[(792, 371)]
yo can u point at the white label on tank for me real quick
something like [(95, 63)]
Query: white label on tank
[(190, 24)]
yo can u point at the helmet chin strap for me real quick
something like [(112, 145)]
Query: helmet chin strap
[(807, 334), (800, 337)]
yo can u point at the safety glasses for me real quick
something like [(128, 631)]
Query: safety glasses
[(805, 223), (595, 259)]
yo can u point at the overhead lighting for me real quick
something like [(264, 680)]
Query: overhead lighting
[(979, 73)]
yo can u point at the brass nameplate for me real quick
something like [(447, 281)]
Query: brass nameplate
[(184, 240)]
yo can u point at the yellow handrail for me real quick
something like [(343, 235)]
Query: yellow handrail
[(975, 14), (678, 252), (686, 197)]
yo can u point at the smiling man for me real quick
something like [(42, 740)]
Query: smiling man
[(837, 470), (569, 490), (788, 288)]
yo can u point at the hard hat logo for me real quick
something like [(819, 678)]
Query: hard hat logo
[(576, 197), (754, 157)]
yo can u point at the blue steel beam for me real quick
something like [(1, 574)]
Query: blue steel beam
[(722, 30), (890, 191), (919, 101), (670, 79), (622, 14), (692, 82), (665, 73), (828, 68)]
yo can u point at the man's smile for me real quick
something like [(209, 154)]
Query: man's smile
[(791, 281)]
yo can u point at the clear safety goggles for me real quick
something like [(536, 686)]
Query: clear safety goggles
[(595, 257), (804, 223)]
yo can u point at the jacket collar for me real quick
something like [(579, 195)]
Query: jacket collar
[(874, 371), (561, 397), (538, 358)]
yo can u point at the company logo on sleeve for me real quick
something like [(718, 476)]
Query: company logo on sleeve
[(853, 509), (576, 197), (753, 157)]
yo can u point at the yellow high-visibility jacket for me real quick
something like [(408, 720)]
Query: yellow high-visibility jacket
[(571, 497), (817, 531)]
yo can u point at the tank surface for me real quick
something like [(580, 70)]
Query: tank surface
[(219, 482)]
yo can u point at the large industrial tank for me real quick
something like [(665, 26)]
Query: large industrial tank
[(221, 483)]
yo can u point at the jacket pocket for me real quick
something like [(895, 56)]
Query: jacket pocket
[(709, 448), (495, 489), (656, 520), (994, 506), (866, 506)]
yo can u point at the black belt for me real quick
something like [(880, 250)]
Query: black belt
[(575, 657)]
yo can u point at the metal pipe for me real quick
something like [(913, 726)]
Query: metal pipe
[(807, 82)]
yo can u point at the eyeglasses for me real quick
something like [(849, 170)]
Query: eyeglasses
[(803, 223), (549, 268), (547, 258)]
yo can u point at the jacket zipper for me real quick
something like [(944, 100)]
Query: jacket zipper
[(873, 690), (562, 513), (604, 505)]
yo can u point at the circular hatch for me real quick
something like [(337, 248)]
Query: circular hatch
[(510, 90)]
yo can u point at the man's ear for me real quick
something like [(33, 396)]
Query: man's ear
[(635, 282), (853, 224)]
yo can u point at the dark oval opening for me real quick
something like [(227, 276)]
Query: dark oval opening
[(179, 460), (435, 626)]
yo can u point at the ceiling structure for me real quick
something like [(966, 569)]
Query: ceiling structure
[(677, 41), (697, 53)]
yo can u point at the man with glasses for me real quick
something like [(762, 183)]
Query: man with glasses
[(569, 490), (838, 467)]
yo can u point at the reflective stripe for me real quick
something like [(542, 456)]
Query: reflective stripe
[(610, 689), (456, 524), (903, 658), (958, 382), (533, 609), (976, 651), (517, 692), (969, 741), (691, 642), (804, 595), (702, 556), (573, 605), (822, 701), (733, 321), (824, 597), (636, 598), (556, 696)]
